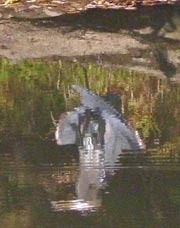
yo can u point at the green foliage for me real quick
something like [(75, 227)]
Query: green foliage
[(31, 90)]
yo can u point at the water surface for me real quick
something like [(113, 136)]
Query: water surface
[(46, 185)]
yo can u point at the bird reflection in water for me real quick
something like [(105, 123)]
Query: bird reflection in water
[(101, 134)]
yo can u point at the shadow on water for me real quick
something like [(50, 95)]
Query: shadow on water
[(161, 55), (146, 24), (114, 20)]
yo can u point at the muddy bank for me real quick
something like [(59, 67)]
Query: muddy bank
[(145, 40)]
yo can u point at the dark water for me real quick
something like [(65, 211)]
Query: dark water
[(46, 185)]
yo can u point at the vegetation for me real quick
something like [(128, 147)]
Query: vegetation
[(30, 91)]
